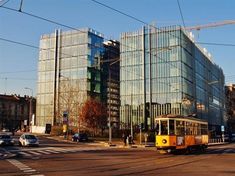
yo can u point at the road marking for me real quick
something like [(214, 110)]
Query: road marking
[(52, 151), (55, 150), (60, 150), (34, 153), (43, 152), (30, 170), (24, 153), (23, 167)]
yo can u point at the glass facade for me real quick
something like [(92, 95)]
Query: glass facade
[(68, 73), (162, 71), (111, 81)]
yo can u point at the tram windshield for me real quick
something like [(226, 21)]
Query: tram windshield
[(164, 127)]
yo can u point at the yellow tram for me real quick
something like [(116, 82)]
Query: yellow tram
[(174, 132)]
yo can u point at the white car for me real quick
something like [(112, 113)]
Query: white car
[(28, 140)]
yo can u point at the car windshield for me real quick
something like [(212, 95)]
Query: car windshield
[(30, 137), (76, 134)]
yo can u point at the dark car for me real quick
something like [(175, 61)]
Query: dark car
[(6, 139), (80, 137)]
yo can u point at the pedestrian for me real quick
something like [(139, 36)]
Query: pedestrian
[(130, 139), (127, 140), (13, 131), (124, 136)]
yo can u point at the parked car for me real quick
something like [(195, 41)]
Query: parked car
[(28, 140), (80, 137), (6, 139)]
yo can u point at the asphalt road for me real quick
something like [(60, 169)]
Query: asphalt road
[(62, 159)]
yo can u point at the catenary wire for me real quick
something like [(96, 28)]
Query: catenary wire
[(4, 3), (181, 14), (57, 23), (19, 71), (132, 17)]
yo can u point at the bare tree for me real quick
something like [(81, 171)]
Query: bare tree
[(70, 99)]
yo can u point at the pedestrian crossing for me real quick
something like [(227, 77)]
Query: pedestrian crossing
[(53, 150)]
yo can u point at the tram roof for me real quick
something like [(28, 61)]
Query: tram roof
[(171, 116)]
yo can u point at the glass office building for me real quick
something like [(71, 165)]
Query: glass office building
[(68, 74), (111, 81), (163, 71)]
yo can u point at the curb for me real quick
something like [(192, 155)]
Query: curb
[(105, 144), (221, 143)]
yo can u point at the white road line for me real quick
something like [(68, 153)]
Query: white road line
[(43, 152), (60, 150), (52, 151), (24, 153), (30, 170), (23, 167), (34, 153)]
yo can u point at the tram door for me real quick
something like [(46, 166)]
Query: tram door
[(180, 133)]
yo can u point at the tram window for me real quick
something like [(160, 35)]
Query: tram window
[(188, 128), (171, 127), (157, 127), (198, 129), (195, 128), (204, 129), (164, 127), (180, 128)]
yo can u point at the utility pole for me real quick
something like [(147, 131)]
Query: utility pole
[(30, 108), (131, 115), (21, 3), (5, 86), (110, 128)]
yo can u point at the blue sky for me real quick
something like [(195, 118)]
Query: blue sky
[(18, 64)]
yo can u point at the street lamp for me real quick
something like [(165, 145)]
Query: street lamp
[(31, 122)]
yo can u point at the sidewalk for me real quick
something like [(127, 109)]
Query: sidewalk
[(218, 143), (117, 143)]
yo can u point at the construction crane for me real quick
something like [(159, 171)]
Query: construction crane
[(210, 25)]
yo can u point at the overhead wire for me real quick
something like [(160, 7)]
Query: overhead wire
[(159, 29), (20, 71), (145, 23), (50, 21), (60, 24), (4, 3), (181, 14), (18, 78)]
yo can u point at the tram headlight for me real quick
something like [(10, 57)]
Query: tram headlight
[(164, 141)]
